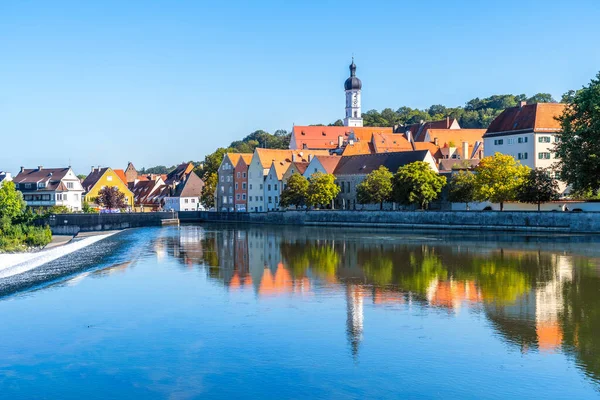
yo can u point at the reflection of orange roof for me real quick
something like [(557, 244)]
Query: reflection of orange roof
[(235, 282), (248, 280), (451, 293), (278, 284), (549, 336), (387, 296)]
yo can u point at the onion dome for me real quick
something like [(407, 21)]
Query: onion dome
[(353, 82)]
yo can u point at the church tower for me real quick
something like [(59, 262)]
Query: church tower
[(352, 87)]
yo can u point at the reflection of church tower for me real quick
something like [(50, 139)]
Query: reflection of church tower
[(354, 319)]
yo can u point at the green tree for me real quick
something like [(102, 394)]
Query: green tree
[(417, 183), (498, 178), (59, 210), (213, 161), (538, 187), (207, 197), (295, 192), (578, 150), (11, 201), (339, 122), (86, 208), (462, 188), (541, 98), (321, 189), (111, 198), (376, 188)]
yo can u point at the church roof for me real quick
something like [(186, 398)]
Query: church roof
[(352, 83)]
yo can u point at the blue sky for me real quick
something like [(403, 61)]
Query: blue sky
[(160, 82)]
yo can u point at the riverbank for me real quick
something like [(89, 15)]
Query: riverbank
[(509, 221)]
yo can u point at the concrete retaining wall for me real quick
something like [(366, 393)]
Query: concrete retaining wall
[(565, 222), (72, 224)]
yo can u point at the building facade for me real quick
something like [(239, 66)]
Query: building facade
[(527, 132), (100, 178), (5, 177), (240, 179), (47, 187), (186, 196), (353, 87), (226, 183)]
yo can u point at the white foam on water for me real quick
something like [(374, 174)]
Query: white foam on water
[(14, 264)]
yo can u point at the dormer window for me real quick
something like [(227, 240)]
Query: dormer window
[(69, 185), (41, 185), (28, 186)]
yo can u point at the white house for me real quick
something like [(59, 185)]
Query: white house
[(187, 195), (527, 132), (47, 187), (322, 164), (5, 177)]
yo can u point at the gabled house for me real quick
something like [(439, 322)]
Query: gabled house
[(322, 164), (48, 187), (131, 173), (5, 177), (103, 177), (226, 181), (179, 174), (352, 170), (416, 132), (148, 193), (294, 168), (240, 179), (460, 144), (186, 196), (527, 132), (261, 163)]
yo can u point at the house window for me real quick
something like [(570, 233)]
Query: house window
[(276, 199), (511, 141), (193, 200), (522, 156), (261, 199), (28, 186), (224, 199), (238, 174), (269, 199), (244, 196), (221, 178), (108, 178), (498, 142), (243, 185), (556, 139), (185, 201), (250, 198), (268, 187), (275, 186), (544, 139), (523, 139), (544, 156), (237, 196), (236, 186), (243, 174), (222, 189), (231, 199), (261, 186), (250, 186), (41, 185)]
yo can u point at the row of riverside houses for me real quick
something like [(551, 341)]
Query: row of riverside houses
[(44, 188), (254, 182)]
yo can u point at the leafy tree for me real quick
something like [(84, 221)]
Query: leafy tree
[(81, 177), (498, 178), (295, 192), (213, 161), (579, 147), (321, 189), (111, 198), (541, 98), (86, 208), (339, 122), (59, 210), (538, 187), (462, 188), (376, 188), (207, 197), (11, 201), (417, 183)]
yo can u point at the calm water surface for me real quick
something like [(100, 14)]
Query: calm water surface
[(268, 312)]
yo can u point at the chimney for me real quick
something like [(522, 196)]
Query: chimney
[(522, 103), (408, 135), (340, 141), (447, 122), (22, 169), (465, 150), (40, 167), (310, 157), (436, 141), (93, 168), (293, 157)]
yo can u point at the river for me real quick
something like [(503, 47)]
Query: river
[(226, 311)]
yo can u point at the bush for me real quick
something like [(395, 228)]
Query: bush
[(19, 236)]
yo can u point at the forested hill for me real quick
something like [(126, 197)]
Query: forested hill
[(477, 113)]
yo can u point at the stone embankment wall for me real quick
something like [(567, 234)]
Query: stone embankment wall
[(523, 221), (72, 224)]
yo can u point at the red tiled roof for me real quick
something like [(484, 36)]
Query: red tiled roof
[(390, 143), (329, 162), (121, 174), (538, 117), (326, 137), (357, 148), (419, 129)]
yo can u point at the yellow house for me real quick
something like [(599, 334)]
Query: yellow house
[(102, 177)]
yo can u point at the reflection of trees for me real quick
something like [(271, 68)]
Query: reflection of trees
[(320, 257)]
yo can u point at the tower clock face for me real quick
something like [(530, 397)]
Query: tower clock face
[(355, 99)]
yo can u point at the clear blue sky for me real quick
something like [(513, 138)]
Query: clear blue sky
[(160, 82)]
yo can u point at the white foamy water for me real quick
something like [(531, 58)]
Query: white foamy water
[(14, 264)]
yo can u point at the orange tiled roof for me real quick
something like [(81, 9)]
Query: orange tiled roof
[(539, 117), (358, 148), (121, 174), (326, 137), (365, 133), (390, 143), (458, 136), (329, 162), (419, 128), (268, 156), (433, 149)]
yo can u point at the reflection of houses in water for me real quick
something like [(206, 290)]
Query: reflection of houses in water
[(535, 315), (452, 294)]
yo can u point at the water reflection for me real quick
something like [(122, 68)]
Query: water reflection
[(537, 297)]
